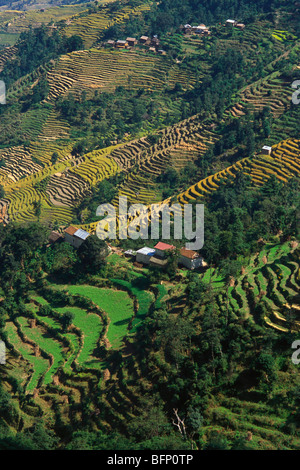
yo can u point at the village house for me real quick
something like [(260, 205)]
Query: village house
[(230, 23), (187, 28), (121, 44), (161, 249), (54, 237), (200, 29), (144, 40), (75, 236), (152, 49), (161, 52), (155, 41), (130, 254), (190, 259), (266, 150), (240, 26), (131, 41), (110, 43), (144, 254)]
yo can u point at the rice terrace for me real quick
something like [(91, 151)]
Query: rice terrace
[(140, 344)]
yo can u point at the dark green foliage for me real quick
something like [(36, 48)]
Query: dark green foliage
[(34, 48), (92, 254)]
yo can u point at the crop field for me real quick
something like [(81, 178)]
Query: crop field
[(91, 27), (270, 279), (117, 305), (92, 351), (106, 69), (15, 22), (283, 163)]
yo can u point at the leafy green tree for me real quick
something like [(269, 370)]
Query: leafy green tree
[(92, 254), (66, 320)]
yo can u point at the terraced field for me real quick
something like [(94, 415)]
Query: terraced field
[(55, 365), (58, 187), (271, 279), (106, 69), (91, 27), (273, 91), (13, 21), (283, 163)]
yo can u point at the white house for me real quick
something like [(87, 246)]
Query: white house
[(230, 23), (266, 150), (190, 259), (144, 254), (75, 236)]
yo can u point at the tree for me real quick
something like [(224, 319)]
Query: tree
[(67, 320), (54, 157), (92, 254)]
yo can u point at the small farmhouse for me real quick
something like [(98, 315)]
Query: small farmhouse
[(230, 23), (121, 44), (155, 41), (266, 150), (144, 254), (75, 236), (110, 43), (190, 259), (240, 26), (54, 237), (130, 254), (161, 249), (144, 40), (131, 42)]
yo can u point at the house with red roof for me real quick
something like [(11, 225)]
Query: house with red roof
[(161, 249)]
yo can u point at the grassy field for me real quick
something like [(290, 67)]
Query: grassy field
[(117, 305), (91, 327)]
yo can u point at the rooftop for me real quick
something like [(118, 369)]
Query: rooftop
[(189, 253), (54, 236), (71, 230), (81, 234), (146, 251), (164, 246)]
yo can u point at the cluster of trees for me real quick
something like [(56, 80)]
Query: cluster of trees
[(172, 13), (36, 47), (104, 116)]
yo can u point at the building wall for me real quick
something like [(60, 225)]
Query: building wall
[(190, 263), (141, 258), (160, 253), (74, 241)]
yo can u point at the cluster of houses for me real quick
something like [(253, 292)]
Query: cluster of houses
[(200, 29), (156, 256), (203, 30), (74, 236), (235, 24), (153, 43)]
